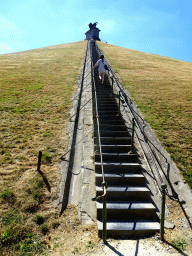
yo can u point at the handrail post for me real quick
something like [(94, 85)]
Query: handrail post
[(104, 184), (163, 187), (112, 86), (104, 213), (119, 101), (132, 138)]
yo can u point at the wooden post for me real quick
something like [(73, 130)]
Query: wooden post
[(39, 161)]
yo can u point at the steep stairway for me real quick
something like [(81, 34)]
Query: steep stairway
[(130, 211)]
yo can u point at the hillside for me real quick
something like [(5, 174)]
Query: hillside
[(162, 88), (35, 102)]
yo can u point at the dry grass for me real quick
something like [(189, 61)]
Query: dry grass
[(162, 88), (35, 101)]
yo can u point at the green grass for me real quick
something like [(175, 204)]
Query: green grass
[(90, 245), (180, 243), (39, 219), (31, 245), (44, 229), (11, 217), (76, 250), (8, 196), (46, 157), (37, 187), (55, 224), (35, 104), (18, 236)]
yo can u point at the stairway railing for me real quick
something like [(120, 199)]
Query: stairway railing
[(140, 124), (138, 121), (104, 184)]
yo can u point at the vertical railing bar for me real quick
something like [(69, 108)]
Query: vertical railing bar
[(112, 86), (163, 187), (132, 137), (119, 101)]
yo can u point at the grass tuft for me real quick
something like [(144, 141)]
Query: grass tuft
[(44, 229), (46, 158), (11, 217), (39, 219), (8, 196), (180, 243)]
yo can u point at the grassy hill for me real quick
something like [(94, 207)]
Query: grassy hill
[(162, 88), (35, 101)]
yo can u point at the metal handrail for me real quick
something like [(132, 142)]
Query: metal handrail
[(97, 118), (104, 184)]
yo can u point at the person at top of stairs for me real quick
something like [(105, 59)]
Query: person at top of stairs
[(101, 68)]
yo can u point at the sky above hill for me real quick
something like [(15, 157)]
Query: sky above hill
[(154, 26)]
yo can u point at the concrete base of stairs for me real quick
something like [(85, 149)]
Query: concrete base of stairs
[(129, 229)]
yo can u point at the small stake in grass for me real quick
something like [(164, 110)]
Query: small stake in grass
[(39, 161)]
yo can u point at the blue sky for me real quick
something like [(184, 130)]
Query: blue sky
[(155, 26)]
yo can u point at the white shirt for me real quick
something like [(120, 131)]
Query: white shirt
[(101, 64)]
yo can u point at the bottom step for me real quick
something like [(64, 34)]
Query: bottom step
[(129, 228)]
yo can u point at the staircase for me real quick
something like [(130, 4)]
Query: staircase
[(129, 208)]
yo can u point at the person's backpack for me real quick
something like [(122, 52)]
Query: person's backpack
[(106, 67)]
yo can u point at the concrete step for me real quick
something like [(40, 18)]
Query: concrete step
[(128, 228), (107, 104), (102, 86), (107, 113), (108, 133), (103, 89), (113, 127), (103, 94), (107, 108), (118, 167), (106, 101), (124, 179), (107, 91), (116, 157), (114, 140), (113, 148), (127, 210), (100, 91), (124, 193), (110, 122), (108, 117)]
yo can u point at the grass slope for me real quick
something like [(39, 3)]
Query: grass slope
[(162, 88), (36, 91)]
